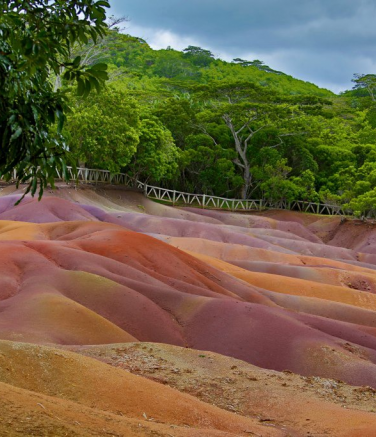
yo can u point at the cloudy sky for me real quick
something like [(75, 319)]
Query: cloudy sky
[(321, 41)]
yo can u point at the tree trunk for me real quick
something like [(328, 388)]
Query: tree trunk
[(247, 181)]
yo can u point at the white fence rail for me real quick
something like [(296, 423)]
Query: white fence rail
[(202, 200), (207, 201), (102, 176)]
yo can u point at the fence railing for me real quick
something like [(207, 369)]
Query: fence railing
[(202, 200), (102, 176), (207, 201)]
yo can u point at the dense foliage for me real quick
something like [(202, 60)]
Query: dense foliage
[(104, 130), (188, 121), (237, 129), (36, 38), (241, 129)]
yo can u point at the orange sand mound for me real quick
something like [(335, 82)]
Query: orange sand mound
[(23, 231), (27, 413), (90, 385), (253, 293), (92, 282), (237, 254), (50, 318), (317, 404), (279, 289), (293, 286)]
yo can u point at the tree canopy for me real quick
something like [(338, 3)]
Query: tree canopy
[(180, 119), (242, 129), (36, 39)]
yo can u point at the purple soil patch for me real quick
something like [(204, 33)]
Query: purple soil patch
[(256, 221), (276, 339), (48, 210)]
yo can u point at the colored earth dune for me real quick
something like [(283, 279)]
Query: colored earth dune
[(214, 313)]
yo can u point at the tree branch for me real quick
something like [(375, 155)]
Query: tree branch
[(251, 135), (203, 130), (238, 163), (286, 135)]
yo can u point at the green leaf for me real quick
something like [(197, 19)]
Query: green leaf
[(100, 66), (80, 87), (60, 120), (16, 134), (77, 61), (99, 74), (41, 191), (96, 83), (87, 88), (34, 185)]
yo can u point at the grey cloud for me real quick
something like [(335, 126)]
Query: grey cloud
[(334, 38)]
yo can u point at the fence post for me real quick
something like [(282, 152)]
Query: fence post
[(203, 200), (173, 197)]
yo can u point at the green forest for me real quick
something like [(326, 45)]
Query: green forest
[(187, 121), (191, 122)]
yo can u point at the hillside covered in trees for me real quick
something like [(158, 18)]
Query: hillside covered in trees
[(191, 122)]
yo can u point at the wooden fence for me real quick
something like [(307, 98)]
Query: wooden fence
[(102, 176), (202, 200)]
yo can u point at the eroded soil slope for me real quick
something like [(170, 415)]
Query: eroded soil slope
[(281, 291)]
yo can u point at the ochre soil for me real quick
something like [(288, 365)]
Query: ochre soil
[(298, 405), (47, 390), (190, 301)]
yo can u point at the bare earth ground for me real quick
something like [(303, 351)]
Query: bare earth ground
[(123, 317), (299, 405)]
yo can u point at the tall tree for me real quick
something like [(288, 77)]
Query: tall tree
[(250, 112), (103, 131), (198, 56), (366, 82), (157, 156)]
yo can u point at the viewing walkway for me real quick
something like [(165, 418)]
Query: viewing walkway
[(201, 200)]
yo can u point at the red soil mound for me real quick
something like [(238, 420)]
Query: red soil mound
[(154, 292), (294, 216), (355, 235), (91, 282)]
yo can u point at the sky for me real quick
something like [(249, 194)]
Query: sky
[(320, 41)]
